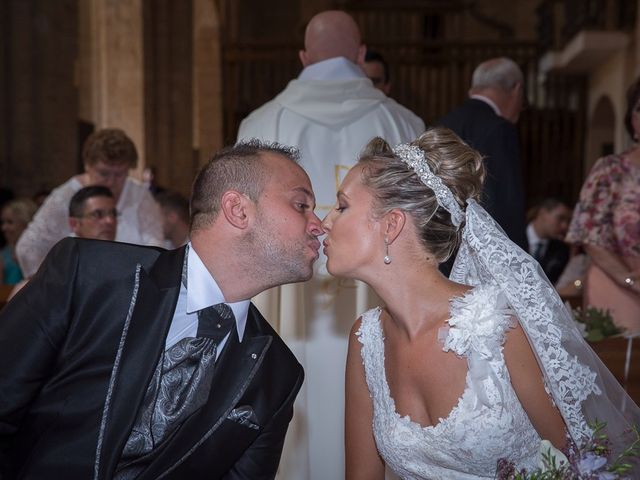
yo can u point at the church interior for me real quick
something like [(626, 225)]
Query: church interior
[(179, 77)]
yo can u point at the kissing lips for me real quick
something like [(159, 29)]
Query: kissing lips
[(315, 246)]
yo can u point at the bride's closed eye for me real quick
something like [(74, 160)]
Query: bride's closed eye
[(341, 208)]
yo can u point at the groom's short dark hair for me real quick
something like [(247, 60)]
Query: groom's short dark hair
[(237, 167)]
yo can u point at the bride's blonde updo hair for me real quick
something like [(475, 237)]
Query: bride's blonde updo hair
[(395, 185)]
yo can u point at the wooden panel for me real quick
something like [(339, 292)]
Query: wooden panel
[(39, 111), (168, 92), (613, 353)]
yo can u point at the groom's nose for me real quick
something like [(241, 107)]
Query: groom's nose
[(315, 226)]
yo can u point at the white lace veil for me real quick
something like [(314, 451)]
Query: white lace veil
[(582, 388)]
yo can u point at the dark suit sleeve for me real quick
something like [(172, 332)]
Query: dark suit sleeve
[(555, 260), (33, 326), (261, 460)]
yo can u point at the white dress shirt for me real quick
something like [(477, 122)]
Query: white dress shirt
[(202, 292), (489, 102)]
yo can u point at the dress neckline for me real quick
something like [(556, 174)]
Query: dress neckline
[(406, 419)]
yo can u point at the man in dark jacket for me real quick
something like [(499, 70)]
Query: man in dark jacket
[(545, 234), (122, 361), (486, 121)]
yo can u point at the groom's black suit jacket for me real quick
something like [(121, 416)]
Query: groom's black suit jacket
[(78, 346)]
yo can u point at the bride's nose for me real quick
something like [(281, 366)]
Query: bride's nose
[(326, 222)]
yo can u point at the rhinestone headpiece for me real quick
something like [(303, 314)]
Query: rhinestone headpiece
[(415, 158)]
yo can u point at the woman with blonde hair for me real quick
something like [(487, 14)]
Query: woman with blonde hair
[(455, 374), (14, 218)]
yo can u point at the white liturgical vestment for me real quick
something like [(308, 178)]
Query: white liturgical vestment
[(330, 112)]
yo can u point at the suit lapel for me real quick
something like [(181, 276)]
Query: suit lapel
[(235, 369), (140, 347)]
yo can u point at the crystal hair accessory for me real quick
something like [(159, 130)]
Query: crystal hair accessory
[(416, 159)]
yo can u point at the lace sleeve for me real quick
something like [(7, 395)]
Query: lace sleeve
[(49, 225)]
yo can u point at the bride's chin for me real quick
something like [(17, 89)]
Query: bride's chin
[(332, 268)]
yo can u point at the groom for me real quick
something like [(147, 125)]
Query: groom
[(122, 361)]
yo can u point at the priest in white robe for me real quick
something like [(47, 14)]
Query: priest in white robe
[(329, 112)]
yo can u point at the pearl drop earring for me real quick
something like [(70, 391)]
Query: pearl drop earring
[(387, 258)]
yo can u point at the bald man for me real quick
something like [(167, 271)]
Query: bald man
[(329, 112), (487, 121)]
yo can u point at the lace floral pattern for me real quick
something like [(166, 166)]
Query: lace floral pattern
[(543, 317), (474, 325), (469, 441)]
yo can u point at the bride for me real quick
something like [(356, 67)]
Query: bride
[(453, 375)]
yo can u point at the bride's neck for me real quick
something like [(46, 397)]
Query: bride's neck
[(416, 296)]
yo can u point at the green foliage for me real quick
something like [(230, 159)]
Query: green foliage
[(597, 323), (592, 461)]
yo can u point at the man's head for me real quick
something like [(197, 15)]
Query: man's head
[(377, 69), (551, 220), (108, 155), (93, 214), (331, 34), (501, 80), (254, 204), (175, 216)]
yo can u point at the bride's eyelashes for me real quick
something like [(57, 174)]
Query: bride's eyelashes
[(341, 208)]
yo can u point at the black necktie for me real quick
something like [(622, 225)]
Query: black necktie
[(538, 251), (215, 322)]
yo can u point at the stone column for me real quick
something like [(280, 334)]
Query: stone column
[(111, 68), (38, 105), (207, 80)]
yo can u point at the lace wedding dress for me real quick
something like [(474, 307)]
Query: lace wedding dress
[(487, 424)]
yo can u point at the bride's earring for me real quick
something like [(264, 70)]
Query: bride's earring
[(387, 258)]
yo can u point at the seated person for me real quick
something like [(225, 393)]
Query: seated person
[(15, 215), (93, 214), (108, 154), (545, 233), (175, 218)]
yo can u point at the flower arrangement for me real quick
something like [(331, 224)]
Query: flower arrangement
[(595, 323), (594, 461)]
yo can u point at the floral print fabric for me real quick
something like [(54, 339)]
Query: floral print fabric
[(608, 212)]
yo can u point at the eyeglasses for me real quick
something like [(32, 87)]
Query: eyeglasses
[(100, 214)]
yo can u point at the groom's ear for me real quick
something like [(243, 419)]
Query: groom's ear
[(237, 208), (394, 223)]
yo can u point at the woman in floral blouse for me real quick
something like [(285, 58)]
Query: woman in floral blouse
[(606, 221)]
